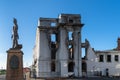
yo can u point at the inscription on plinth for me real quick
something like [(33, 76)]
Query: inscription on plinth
[(14, 64)]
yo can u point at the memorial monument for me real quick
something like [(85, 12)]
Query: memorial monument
[(15, 57)]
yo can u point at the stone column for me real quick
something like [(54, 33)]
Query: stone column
[(37, 52), (80, 54), (77, 52), (44, 55), (62, 54), (14, 65)]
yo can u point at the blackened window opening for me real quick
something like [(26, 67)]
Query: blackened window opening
[(84, 67), (108, 58), (116, 58), (101, 58), (71, 67), (53, 67), (70, 21), (53, 50)]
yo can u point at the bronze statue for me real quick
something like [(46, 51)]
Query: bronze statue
[(15, 36)]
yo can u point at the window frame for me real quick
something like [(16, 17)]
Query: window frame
[(116, 59), (109, 58), (101, 59)]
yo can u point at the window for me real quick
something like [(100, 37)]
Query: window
[(71, 20), (53, 37), (84, 67), (71, 55), (101, 58), (70, 35), (53, 50), (116, 58), (53, 67), (53, 54), (53, 24), (71, 67), (108, 58)]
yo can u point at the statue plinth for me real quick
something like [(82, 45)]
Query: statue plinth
[(19, 46), (14, 64)]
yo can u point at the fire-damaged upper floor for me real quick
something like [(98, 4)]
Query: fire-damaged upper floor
[(63, 19), (52, 27)]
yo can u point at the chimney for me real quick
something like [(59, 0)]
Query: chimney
[(118, 44)]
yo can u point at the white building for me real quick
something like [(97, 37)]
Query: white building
[(57, 51), (104, 63)]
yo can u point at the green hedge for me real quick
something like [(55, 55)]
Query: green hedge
[(2, 72)]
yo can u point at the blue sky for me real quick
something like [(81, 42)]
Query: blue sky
[(101, 19)]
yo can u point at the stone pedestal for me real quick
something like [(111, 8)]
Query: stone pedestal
[(14, 64)]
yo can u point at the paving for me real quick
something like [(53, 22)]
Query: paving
[(2, 77), (88, 78)]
